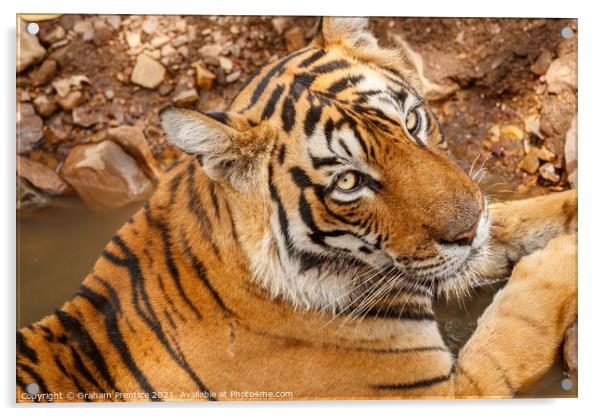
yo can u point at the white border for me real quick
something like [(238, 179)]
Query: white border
[(590, 151)]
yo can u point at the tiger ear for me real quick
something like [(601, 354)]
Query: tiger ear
[(350, 32), (226, 154)]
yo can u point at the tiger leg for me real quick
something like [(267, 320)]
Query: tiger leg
[(518, 335), (519, 228)]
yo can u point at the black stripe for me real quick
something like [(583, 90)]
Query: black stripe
[(342, 84), (36, 377), (24, 349), (82, 338), (278, 68), (268, 111), (141, 299), (201, 274), (301, 83), (331, 66), (312, 58), (81, 367), (311, 119), (282, 218), (288, 114), (415, 385)]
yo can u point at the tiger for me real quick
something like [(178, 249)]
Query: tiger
[(296, 249)]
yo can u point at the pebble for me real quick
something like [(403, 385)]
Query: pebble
[(548, 172), (225, 64), (147, 72), (44, 105), (132, 39), (150, 25), (30, 50), (83, 117), (562, 74), (212, 51), (529, 163), (29, 128), (512, 131), (54, 35), (186, 97), (82, 27), (183, 50), (205, 79), (41, 176), (180, 40), (280, 23), (168, 50), (233, 77), (159, 41), (44, 73), (71, 100), (542, 63), (114, 21)]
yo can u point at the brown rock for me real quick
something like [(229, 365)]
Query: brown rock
[(512, 131), (280, 23), (44, 105), (29, 50), (548, 172), (52, 35), (529, 163), (186, 97), (66, 85), (85, 117), (45, 73), (205, 79), (147, 72), (562, 74), (133, 140), (71, 100), (102, 33), (234, 76), (545, 154), (541, 65), (29, 128), (294, 39), (42, 177), (56, 131), (105, 176), (28, 197)]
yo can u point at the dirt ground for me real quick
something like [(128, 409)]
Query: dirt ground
[(508, 105)]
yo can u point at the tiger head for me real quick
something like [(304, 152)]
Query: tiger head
[(339, 176)]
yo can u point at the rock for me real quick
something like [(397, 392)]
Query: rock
[(233, 77), (44, 74), (569, 350), (548, 172), (235, 30), (147, 72), (542, 63), (154, 54), (132, 39), (431, 90), (41, 176), (532, 125), (294, 39), (64, 86), (205, 79), (84, 117), (225, 64), (183, 50), (29, 128), (159, 41), (55, 34), (102, 33), (512, 131), (210, 51), (82, 27), (149, 25), (211, 101), (44, 105), (133, 140), (545, 154), (186, 97), (105, 176), (56, 131), (167, 51), (562, 74), (280, 23), (28, 197), (71, 100), (165, 89), (180, 40), (529, 163), (29, 50), (570, 153), (114, 21)]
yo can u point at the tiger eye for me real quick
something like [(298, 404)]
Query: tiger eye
[(412, 120), (348, 181)]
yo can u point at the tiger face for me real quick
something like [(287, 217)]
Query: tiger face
[(338, 174)]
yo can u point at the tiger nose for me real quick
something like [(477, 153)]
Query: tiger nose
[(465, 238)]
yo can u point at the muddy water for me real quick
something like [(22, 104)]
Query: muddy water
[(58, 245)]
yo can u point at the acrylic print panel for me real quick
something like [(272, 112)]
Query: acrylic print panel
[(293, 208)]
